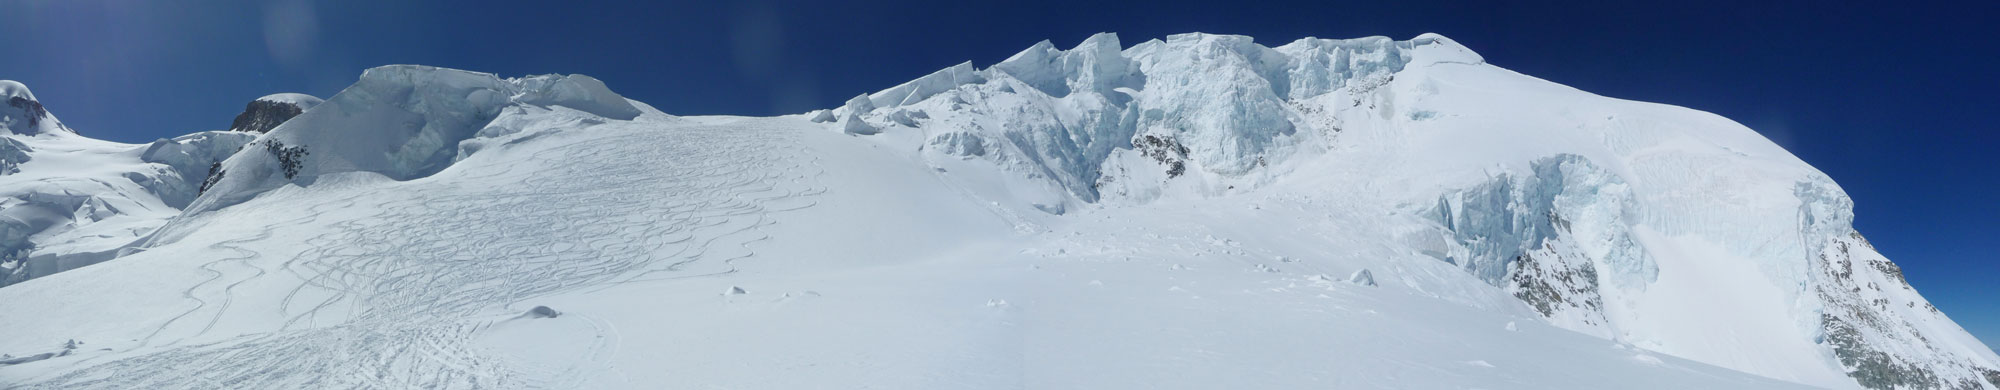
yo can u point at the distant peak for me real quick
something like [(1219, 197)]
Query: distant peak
[(23, 114)]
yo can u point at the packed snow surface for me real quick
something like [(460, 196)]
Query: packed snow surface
[(1195, 212)]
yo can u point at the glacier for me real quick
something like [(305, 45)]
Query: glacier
[(67, 201), (1177, 213)]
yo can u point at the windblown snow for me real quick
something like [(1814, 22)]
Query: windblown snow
[(1200, 211)]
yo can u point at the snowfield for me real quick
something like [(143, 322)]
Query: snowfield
[(1195, 212)]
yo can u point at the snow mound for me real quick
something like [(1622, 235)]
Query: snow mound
[(303, 101), (1362, 277), (579, 92), (10, 89)]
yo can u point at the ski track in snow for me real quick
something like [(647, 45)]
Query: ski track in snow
[(395, 299)]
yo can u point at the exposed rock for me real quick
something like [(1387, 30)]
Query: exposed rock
[(290, 159), (1872, 368), (23, 114), (542, 312), (267, 113), (215, 173), (1557, 288), (1857, 327), (35, 111), (1165, 150)]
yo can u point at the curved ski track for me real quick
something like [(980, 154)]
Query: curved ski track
[(394, 299)]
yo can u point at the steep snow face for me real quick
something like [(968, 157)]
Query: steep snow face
[(268, 112), (1886, 334), (403, 122), (67, 201), (1620, 219)]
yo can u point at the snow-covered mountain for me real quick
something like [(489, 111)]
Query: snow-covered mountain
[(1195, 212), (67, 201)]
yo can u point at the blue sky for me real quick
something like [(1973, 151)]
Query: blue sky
[(1895, 100)]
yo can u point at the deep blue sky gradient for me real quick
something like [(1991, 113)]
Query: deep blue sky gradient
[(1896, 100)]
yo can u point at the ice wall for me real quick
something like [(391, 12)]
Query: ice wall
[(1558, 239), (1205, 108)]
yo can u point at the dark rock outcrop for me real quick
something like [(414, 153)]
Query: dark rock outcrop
[(34, 109), (24, 115), (263, 115)]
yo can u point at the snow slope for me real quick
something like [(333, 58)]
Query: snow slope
[(1195, 212), (364, 281)]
